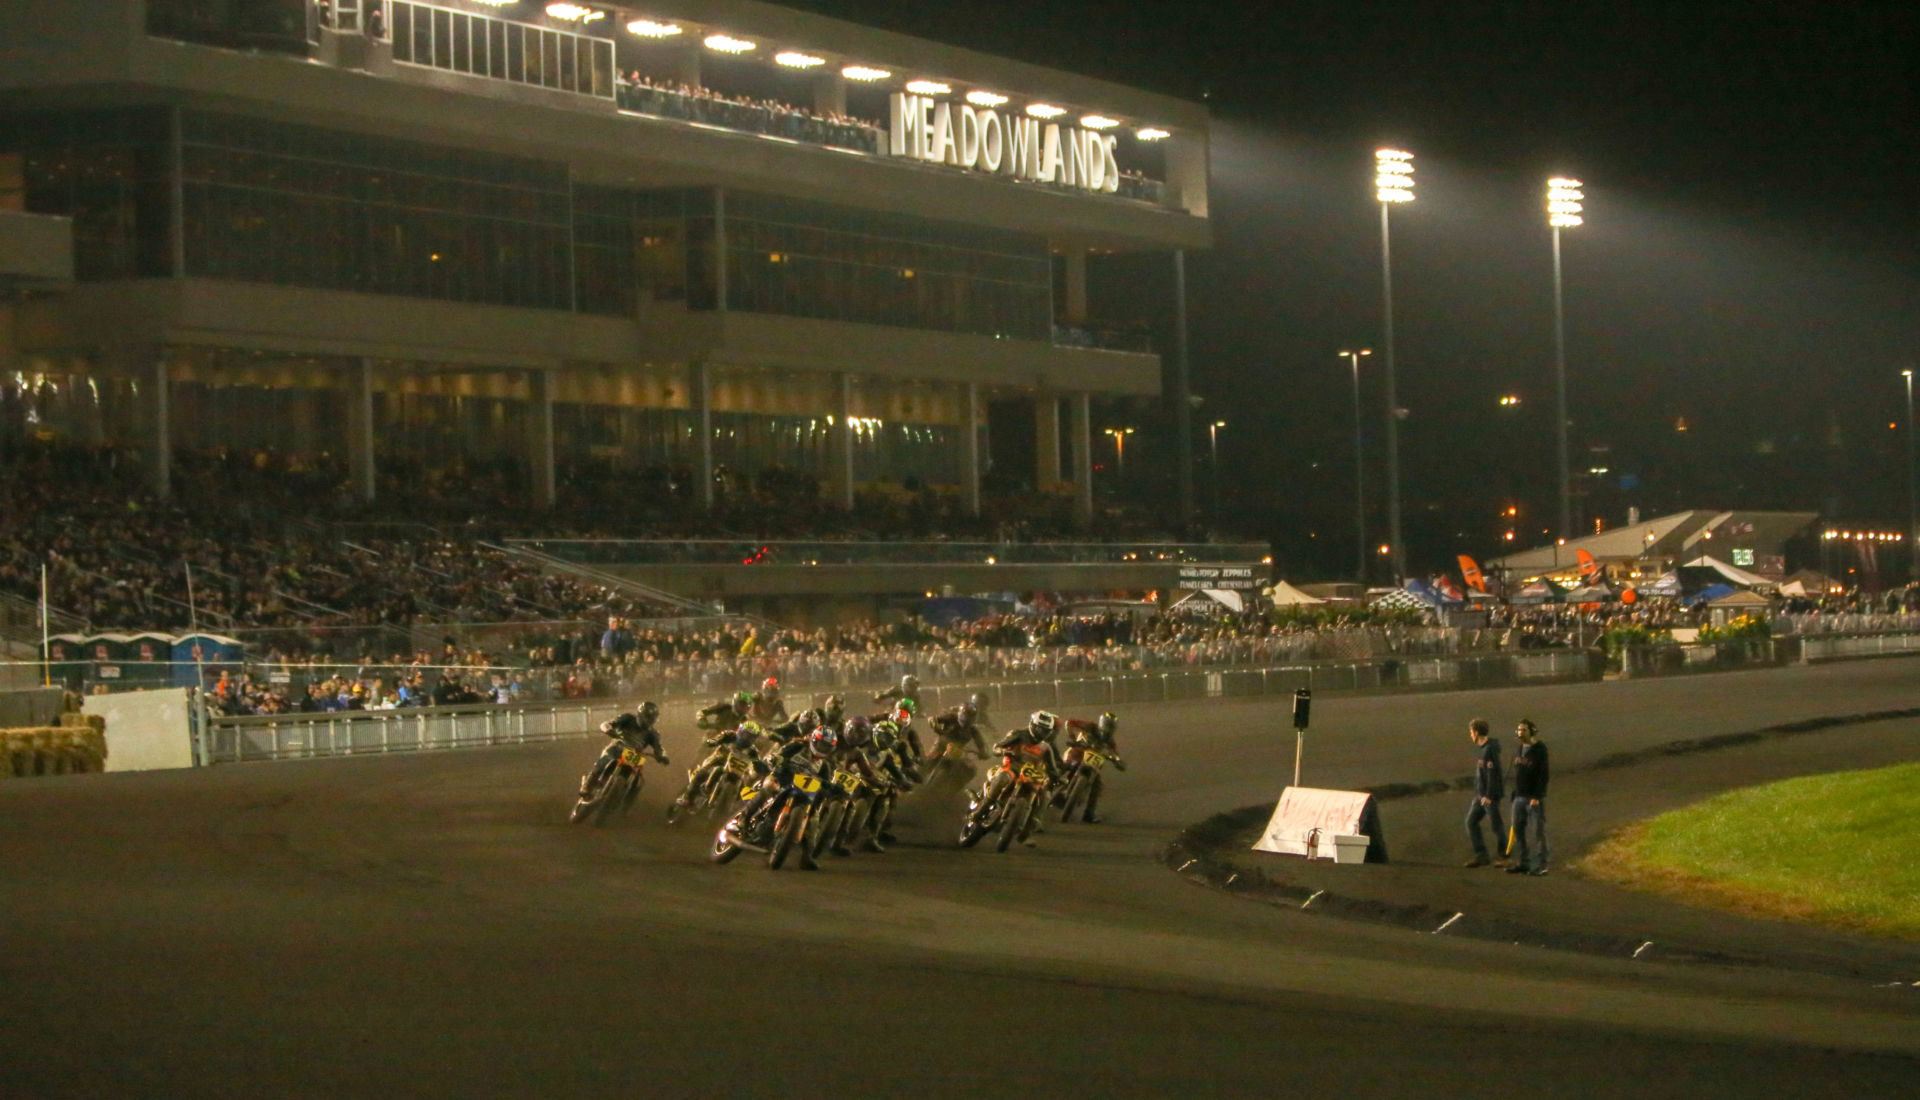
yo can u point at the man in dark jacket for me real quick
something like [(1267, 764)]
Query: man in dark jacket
[(1530, 776), (1489, 790)]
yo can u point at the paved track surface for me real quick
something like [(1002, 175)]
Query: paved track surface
[(430, 925)]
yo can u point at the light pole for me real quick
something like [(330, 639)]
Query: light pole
[(1564, 199), (1392, 183), (1913, 512), (1359, 474), (1213, 461)]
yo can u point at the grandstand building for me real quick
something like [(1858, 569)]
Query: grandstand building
[(705, 234)]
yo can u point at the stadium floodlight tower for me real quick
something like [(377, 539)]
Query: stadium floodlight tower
[(1392, 185), (1564, 203)]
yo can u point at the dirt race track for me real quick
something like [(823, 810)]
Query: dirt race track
[(430, 925)]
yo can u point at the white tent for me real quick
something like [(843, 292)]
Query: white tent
[(1733, 574), (1286, 595), (1226, 598)]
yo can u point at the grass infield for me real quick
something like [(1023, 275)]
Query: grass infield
[(1841, 850)]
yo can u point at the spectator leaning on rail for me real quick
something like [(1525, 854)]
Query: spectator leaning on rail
[(1530, 776), (1488, 791)]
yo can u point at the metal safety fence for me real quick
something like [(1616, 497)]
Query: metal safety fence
[(352, 733)]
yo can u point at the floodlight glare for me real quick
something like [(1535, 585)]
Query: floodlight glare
[(650, 28), (574, 13), (1045, 110), (726, 43), (1151, 133), (1393, 175), (1564, 203), (793, 59), (1098, 122), (981, 98), (928, 87), (864, 72)]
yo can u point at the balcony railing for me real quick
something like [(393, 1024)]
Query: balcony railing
[(479, 45)]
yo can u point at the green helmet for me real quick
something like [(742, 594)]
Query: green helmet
[(742, 700)]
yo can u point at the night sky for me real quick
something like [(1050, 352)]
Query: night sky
[(1748, 265)]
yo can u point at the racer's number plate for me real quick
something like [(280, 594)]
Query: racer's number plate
[(806, 783), (746, 792), (846, 781), (1093, 759), (631, 758), (738, 765), (1033, 773)]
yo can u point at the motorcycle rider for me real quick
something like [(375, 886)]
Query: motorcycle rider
[(807, 754), (954, 731), (765, 706), (1029, 744), (908, 690), (633, 730), (852, 755), (727, 713), (743, 739), (1098, 737)]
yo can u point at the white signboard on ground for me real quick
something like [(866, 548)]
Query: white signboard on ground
[(145, 729), (1308, 818)]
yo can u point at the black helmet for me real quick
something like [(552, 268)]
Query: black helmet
[(978, 702), (909, 682), (1043, 724), (823, 741), (965, 714), (834, 703), (649, 711), (857, 733), (1107, 724)]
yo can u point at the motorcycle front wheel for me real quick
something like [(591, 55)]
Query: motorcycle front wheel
[(785, 828), (1015, 823), (724, 850)]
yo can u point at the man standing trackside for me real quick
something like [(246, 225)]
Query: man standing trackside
[(1489, 789), (1530, 776)]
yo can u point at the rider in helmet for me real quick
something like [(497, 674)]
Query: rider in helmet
[(633, 730), (1097, 736), (1026, 744), (954, 731), (743, 739), (766, 707), (728, 712), (809, 754), (834, 709), (908, 690)]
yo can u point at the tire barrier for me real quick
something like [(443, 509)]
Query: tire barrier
[(78, 745)]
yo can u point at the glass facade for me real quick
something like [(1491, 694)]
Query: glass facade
[(297, 205), (106, 170), (633, 246), (810, 259)]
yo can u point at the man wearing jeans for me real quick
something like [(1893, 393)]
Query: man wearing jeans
[(1529, 800), (1488, 790)]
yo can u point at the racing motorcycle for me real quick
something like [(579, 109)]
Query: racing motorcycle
[(616, 792), (778, 826), (1082, 766), (1012, 809), (717, 791), (843, 797)]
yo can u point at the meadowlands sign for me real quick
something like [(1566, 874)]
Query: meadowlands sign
[(987, 141)]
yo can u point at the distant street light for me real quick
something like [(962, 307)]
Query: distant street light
[(1120, 449), (1359, 473), (1564, 201), (1913, 512), (1392, 184), (1213, 460)]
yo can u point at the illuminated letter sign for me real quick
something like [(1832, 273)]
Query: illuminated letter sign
[(983, 140)]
